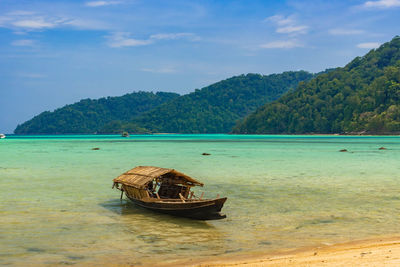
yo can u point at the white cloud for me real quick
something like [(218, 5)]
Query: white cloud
[(160, 70), (368, 45), (346, 32), (123, 39), (174, 36), (287, 25), (280, 20), (26, 21), (281, 44), (382, 4), (23, 42), (101, 3), (292, 29), (21, 21), (34, 23), (20, 32), (86, 24)]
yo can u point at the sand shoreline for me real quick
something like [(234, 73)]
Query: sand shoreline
[(371, 252)]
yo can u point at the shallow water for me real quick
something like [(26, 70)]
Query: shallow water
[(57, 205)]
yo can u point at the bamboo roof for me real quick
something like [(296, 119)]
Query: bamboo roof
[(140, 176)]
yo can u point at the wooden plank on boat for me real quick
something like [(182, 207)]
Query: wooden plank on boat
[(182, 198)]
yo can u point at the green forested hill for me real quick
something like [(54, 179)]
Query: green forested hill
[(362, 97), (216, 108), (89, 116), (213, 109)]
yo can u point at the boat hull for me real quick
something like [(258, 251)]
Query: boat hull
[(208, 209)]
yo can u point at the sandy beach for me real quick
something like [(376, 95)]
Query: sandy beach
[(366, 253), (373, 252)]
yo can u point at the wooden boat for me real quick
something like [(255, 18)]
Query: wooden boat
[(167, 191)]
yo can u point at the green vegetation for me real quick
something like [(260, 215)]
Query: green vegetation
[(216, 108), (117, 127), (362, 97), (103, 115), (213, 109)]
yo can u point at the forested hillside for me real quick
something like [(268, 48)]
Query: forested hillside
[(213, 109), (362, 97), (216, 108), (90, 116)]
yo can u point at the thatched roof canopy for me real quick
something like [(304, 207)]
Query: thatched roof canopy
[(140, 176)]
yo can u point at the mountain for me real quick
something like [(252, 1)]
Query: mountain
[(213, 109), (90, 116), (362, 97), (216, 108)]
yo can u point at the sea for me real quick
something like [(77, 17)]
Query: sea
[(284, 192)]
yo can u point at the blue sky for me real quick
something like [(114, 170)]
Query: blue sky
[(54, 52)]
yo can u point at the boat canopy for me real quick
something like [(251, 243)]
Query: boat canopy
[(140, 176)]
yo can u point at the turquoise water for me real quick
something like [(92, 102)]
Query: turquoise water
[(57, 206)]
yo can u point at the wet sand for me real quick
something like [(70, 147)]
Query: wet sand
[(374, 252)]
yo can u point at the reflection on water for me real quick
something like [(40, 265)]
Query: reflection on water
[(57, 206)]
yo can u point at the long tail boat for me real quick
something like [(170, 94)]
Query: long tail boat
[(167, 191)]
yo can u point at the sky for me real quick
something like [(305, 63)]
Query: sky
[(56, 52)]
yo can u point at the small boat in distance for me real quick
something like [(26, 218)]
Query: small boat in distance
[(2, 136), (167, 191), (125, 134)]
